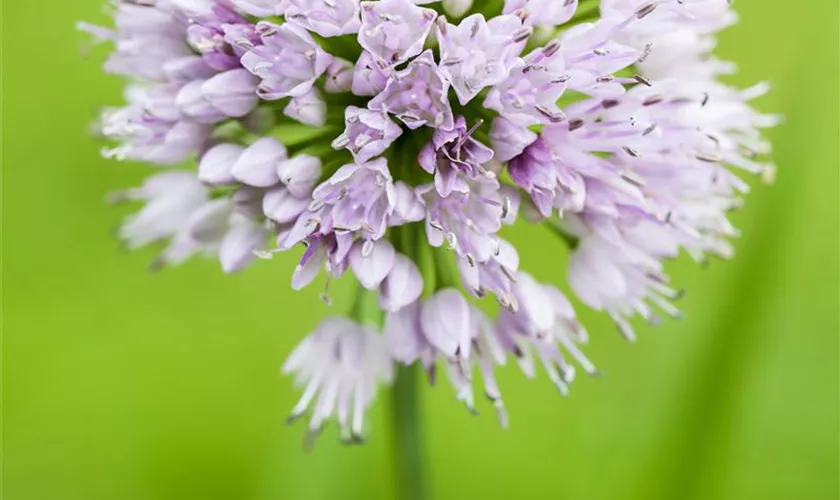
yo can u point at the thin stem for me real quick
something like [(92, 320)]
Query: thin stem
[(408, 450), (357, 309)]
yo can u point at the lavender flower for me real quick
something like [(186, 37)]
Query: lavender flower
[(544, 323), (288, 61), (308, 109), (340, 365), (529, 95), (417, 95), (152, 129), (394, 31), (616, 134), (445, 326), (453, 157), (368, 77), (478, 53), (368, 133), (179, 209)]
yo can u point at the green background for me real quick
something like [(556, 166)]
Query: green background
[(119, 384)]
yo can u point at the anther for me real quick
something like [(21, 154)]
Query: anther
[(645, 10), (644, 81)]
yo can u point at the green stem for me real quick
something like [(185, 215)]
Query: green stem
[(407, 438)]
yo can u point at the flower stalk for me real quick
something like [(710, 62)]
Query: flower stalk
[(409, 456)]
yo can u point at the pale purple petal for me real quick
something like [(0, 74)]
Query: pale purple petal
[(216, 164), (403, 335), (232, 92), (281, 206), (368, 77), (339, 76), (403, 285), (328, 18), (367, 133), (371, 261), (257, 166), (300, 174), (239, 244), (445, 319), (309, 109)]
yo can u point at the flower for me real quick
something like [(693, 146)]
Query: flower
[(431, 330), (394, 31), (340, 365), (542, 173), (453, 155), (330, 125), (368, 133), (357, 198), (178, 208), (167, 121), (417, 95), (544, 322), (288, 61), (530, 93), (152, 129), (478, 53), (309, 108), (467, 224)]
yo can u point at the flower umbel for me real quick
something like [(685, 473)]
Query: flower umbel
[(386, 139)]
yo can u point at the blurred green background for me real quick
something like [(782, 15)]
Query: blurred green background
[(119, 384)]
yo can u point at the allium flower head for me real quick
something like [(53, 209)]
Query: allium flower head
[(385, 139)]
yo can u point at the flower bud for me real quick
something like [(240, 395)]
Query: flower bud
[(281, 206), (257, 166), (403, 285), (308, 109), (445, 319), (300, 174), (368, 78), (232, 92), (193, 103), (237, 247), (371, 261), (216, 164), (339, 76)]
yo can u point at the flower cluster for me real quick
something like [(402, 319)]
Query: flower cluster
[(395, 138)]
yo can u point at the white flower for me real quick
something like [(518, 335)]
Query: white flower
[(340, 365)]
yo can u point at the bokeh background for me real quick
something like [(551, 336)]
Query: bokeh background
[(123, 385)]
